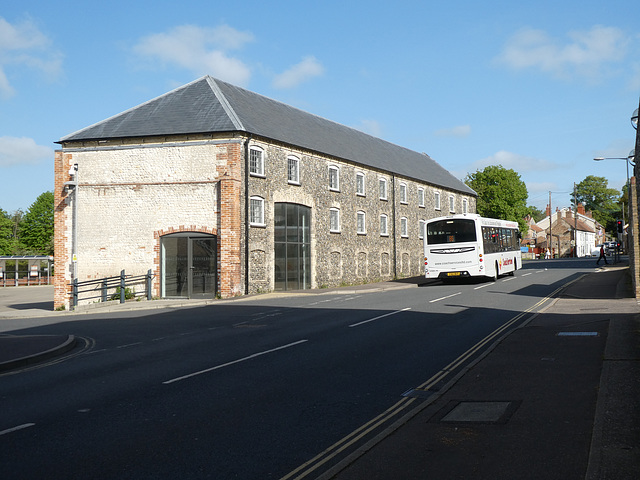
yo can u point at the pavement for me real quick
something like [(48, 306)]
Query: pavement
[(556, 398)]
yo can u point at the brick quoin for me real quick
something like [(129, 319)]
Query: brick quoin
[(61, 250), (230, 223)]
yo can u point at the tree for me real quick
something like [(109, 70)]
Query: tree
[(536, 213), (6, 233), (594, 193), (501, 194), (36, 228)]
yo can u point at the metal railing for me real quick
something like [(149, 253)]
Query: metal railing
[(112, 288)]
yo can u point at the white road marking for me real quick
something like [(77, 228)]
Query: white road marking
[(482, 286), (15, 429), (444, 298), (525, 274), (379, 317), (184, 377), (129, 345)]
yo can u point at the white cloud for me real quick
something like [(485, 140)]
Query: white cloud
[(519, 163), (199, 49), (585, 53), (460, 131), (372, 127), (23, 44), (23, 150), (308, 68)]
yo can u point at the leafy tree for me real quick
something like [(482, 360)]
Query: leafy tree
[(6, 233), (36, 228), (594, 193), (501, 194), (536, 213)]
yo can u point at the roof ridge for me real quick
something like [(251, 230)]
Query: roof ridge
[(224, 102)]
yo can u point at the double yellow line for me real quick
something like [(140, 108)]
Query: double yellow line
[(355, 436)]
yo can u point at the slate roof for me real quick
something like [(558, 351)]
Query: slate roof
[(209, 105)]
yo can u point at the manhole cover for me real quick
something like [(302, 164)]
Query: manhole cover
[(488, 412)]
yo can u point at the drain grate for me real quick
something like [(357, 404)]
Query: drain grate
[(480, 412), (577, 334)]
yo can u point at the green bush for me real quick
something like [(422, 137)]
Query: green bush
[(128, 294)]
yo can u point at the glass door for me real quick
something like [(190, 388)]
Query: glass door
[(189, 265)]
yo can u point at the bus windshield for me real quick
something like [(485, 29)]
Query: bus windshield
[(451, 231)]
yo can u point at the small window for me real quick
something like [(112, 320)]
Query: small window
[(421, 197), (384, 229), (360, 184), (383, 188), (256, 162), (452, 204), (437, 200), (421, 228), (334, 178), (465, 205), (403, 193), (293, 170), (334, 220), (256, 215), (404, 229), (361, 224)]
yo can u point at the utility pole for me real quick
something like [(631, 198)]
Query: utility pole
[(575, 221), (550, 243)]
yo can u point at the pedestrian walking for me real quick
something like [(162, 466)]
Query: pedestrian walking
[(602, 255)]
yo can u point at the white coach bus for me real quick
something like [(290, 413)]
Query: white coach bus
[(469, 245)]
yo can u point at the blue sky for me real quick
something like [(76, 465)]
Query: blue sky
[(541, 87)]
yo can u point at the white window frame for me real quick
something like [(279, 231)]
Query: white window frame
[(452, 204), (465, 205), (381, 182), (422, 224), (334, 213), (436, 200), (403, 193), (295, 161), (421, 197), (336, 170), (259, 172), (361, 223), (384, 225), (404, 227), (256, 220), (360, 184)]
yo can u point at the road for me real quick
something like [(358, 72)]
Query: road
[(269, 387)]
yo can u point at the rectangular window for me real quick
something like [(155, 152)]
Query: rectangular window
[(421, 227), (452, 204), (421, 197), (334, 220), (334, 178), (383, 189), (383, 226), (403, 193), (293, 170), (437, 200), (256, 162), (362, 229), (404, 229), (465, 205), (256, 208), (360, 184)]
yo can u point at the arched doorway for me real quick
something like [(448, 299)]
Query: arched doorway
[(292, 242), (188, 265)]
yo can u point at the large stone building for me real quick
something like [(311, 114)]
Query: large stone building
[(221, 191)]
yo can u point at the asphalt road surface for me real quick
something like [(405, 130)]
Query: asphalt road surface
[(269, 387)]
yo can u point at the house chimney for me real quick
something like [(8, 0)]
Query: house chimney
[(581, 209), (548, 211)]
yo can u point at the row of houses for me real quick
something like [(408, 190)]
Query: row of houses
[(220, 191), (572, 233)]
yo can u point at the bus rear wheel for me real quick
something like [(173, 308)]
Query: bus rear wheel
[(495, 273)]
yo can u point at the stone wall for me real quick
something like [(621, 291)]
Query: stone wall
[(347, 257)]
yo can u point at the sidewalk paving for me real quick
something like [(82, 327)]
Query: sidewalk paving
[(557, 398)]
